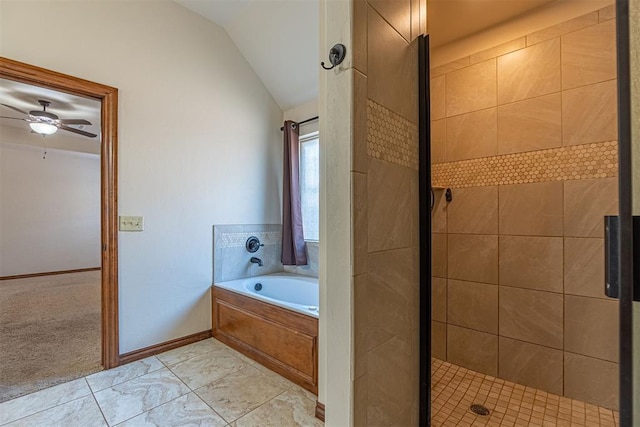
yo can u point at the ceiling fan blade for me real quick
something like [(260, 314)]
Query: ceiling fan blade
[(12, 118), (78, 131), (74, 122), (16, 109)]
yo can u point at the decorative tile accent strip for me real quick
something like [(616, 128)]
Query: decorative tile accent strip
[(238, 240), (596, 160), (391, 137)]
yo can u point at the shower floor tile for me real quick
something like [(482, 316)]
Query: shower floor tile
[(454, 389)]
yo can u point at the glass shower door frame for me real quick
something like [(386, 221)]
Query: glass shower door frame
[(424, 180), (627, 293)]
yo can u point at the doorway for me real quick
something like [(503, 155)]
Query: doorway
[(108, 98)]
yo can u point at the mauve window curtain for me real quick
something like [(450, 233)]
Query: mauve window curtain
[(294, 248)]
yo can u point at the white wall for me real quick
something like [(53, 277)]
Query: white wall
[(49, 210), (199, 142)]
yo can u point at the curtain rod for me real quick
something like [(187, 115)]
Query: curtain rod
[(304, 121)]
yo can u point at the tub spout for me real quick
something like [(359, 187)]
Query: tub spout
[(256, 261)]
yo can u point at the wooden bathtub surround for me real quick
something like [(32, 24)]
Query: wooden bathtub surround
[(280, 339)]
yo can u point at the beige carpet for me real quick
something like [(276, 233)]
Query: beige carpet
[(49, 331)]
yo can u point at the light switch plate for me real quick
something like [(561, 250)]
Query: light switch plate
[(131, 223)]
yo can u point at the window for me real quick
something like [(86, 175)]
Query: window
[(310, 185)]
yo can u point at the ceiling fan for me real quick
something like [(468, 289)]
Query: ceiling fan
[(46, 123)]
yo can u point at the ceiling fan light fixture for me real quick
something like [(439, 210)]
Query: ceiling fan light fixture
[(43, 128)]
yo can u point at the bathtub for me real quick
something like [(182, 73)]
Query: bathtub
[(272, 319), (290, 291)]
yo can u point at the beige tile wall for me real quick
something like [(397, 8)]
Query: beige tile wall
[(385, 212), (525, 135)]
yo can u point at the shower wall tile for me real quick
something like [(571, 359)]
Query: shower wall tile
[(534, 365), (591, 380), (391, 59), (360, 388), (472, 305), (586, 202), (397, 13), (389, 295), (438, 98), (607, 13), (472, 349), (531, 262), (563, 28), (474, 210), (450, 66), (531, 316), (439, 141), (439, 299), (389, 379), (360, 223), (473, 257), (591, 327), (439, 340), (471, 88), (416, 29), (531, 209), (472, 135), (439, 212), (389, 210), (361, 324), (439, 255), (359, 37), (359, 159), (534, 124), (384, 184), (590, 114), (584, 267), (530, 72), (231, 259), (499, 50), (589, 55)]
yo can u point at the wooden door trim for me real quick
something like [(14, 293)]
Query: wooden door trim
[(108, 96)]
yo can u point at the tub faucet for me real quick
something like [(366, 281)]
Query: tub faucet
[(256, 261)]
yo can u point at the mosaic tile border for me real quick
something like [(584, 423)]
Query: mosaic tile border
[(391, 137), (587, 161), (238, 240)]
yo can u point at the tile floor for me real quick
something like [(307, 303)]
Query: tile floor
[(202, 384), (455, 389)]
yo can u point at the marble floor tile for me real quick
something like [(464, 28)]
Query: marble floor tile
[(289, 409), (105, 379), (83, 412), (131, 398), (240, 392), (187, 410), (44, 399), (178, 355), (207, 368)]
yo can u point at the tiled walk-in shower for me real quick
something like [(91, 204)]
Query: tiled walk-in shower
[(455, 389)]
